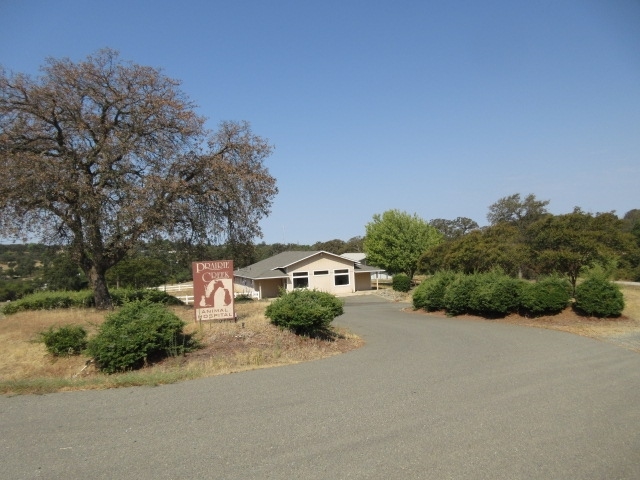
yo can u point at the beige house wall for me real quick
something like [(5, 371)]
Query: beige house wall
[(268, 288), (363, 281), (318, 280), (321, 272)]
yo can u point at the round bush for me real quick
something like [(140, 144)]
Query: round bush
[(599, 297), (66, 340), (494, 294), (304, 312), (401, 283), (457, 298), (429, 295), (138, 332), (548, 295)]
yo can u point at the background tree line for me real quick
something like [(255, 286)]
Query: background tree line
[(522, 239), (525, 240), (25, 268)]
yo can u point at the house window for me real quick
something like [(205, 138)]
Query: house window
[(300, 279), (341, 277), (321, 272)]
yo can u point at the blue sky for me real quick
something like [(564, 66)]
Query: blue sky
[(437, 108)]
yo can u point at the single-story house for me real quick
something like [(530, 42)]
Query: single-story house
[(317, 270), (362, 258)]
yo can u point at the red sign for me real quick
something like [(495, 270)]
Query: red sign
[(213, 290)]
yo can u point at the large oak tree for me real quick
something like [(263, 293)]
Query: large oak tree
[(100, 154)]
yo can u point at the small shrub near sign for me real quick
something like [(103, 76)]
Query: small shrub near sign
[(65, 341), (138, 333), (305, 312)]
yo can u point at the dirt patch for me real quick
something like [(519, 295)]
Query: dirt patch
[(621, 331)]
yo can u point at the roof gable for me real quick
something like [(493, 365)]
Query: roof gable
[(276, 266)]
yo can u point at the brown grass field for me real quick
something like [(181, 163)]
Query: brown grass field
[(250, 343)]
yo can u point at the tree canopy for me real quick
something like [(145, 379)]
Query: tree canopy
[(99, 154), (480, 250), (569, 243), (452, 229), (395, 241), (519, 212), (564, 244)]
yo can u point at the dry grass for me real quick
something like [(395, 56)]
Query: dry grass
[(23, 357), (252, 342), (623, 331), (627, 325), (632, 301)]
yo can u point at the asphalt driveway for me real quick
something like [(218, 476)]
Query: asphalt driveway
[(427, 398)]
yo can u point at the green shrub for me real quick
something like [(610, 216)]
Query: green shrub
[(11, 290), (243, 298), (457, 298), (139, 332), (49, 300), (429, 295), (66, 340), (304, 312), (401, 283), (494, 294), (548, 295), (599, 297)]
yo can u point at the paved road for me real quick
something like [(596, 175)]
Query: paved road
[(426, 398)]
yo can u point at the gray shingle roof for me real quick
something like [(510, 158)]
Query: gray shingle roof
[(274, 267)]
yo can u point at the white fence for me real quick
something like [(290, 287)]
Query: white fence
[(175, 288), (188, 299)]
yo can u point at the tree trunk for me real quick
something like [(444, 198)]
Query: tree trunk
[(98, 284)]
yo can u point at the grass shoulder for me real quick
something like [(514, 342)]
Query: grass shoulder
[(250, 343)]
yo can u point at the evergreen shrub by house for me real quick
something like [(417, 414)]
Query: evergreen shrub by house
[(429, 295), (401, 282), (494, 294), (64, 341), (243, 298), (549, 295), (304, 312), (599, 297), (138, 332)]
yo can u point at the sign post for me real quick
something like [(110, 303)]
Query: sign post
[(213, 290)]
